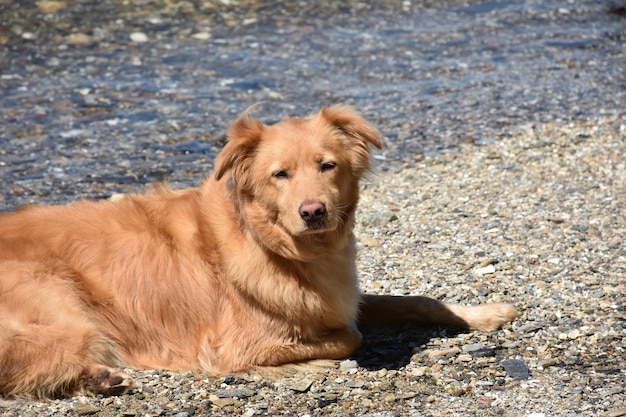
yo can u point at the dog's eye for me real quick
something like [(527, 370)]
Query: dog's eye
[(280, 174), (327, 166)]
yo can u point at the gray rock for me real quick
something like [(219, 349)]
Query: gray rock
[(234, 393), (473, 347), (83, 409), (300, 385), (515, 368), (348, 364)]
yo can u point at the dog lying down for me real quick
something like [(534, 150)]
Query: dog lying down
[(254, 268)]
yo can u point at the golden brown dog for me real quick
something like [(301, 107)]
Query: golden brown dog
[(254, 268)]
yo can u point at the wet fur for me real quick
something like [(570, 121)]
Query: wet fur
[(222, 278)]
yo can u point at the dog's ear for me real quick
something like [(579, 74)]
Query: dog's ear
[(362, 134), (243, 138)]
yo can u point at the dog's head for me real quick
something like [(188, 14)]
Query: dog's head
[(299, 175)]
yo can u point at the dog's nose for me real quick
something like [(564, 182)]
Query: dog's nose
[(312, 211)]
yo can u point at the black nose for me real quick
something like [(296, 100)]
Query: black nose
[(312, 211)]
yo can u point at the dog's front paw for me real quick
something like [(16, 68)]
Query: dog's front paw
[(490, 317)]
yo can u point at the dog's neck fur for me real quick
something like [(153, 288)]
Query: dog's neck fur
[(331, 252)]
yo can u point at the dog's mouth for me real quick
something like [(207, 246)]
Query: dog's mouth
[(315, 227)]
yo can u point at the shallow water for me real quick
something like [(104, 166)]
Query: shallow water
[(111, 111)]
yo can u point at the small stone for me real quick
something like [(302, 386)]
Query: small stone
[(618, 412), (370, 242), (408, 395), (249, 412), (547, 362), (230, 379), (437, 246), (138, 37), (455, 389), (421, 371), (301, 385), (489, 269), (366, 402), (84, 409), (51, 6), (222, 402), (515, 368), (485, 400), (234, 393), (443, 352), (354, 384), (203, 36), (191, 410), (484, 353), (473, 347), (574, 334), (379, 219), (79, 39), (348, 364)]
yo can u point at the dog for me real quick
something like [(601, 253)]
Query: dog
[(255, 268)]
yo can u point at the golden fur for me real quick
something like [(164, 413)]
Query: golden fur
[(254, 268)]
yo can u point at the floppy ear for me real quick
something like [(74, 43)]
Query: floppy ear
[(243, 137), (361, 133)]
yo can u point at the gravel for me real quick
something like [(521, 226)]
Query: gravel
[(545, 208)]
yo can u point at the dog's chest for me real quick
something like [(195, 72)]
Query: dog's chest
[(324, 293)]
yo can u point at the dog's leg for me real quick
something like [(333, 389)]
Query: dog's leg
[(100, 379), (393, 311), (339, 344), (47, 345)]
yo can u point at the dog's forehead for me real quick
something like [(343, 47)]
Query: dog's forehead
[(302, 133)]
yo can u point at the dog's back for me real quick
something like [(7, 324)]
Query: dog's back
[(100, 284)]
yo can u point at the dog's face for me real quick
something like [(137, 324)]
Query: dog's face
[(300, 175)]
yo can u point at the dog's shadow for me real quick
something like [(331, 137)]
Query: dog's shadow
[(395, 348)]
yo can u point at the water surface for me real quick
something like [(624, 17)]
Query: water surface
[(89, 107)]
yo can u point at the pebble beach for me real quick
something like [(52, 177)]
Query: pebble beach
[(537, 220), (503, 179)]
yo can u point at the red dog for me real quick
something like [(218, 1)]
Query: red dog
[(254, 268)]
